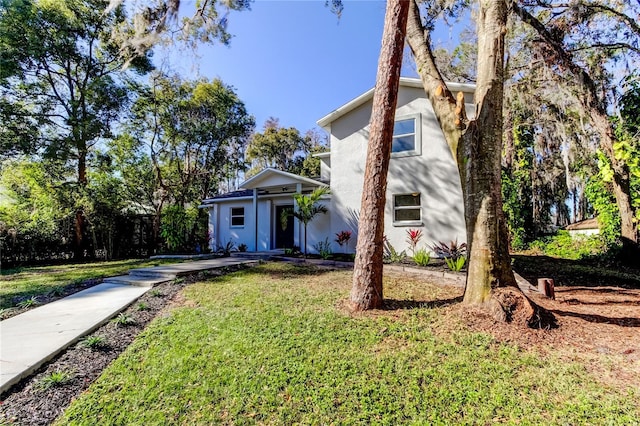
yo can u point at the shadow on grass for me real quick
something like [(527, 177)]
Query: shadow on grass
[(600, 319), (394, 304), (582, 273)]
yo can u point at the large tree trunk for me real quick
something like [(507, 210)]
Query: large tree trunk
[(476, 145), (366, 292), (489, 261), (594, 107)]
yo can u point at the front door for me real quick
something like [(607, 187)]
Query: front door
[(284, 228)]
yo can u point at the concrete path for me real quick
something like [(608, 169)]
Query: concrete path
[(30, 339)]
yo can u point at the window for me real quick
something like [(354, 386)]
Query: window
[(237, 216), (406, 136), (407, 209)]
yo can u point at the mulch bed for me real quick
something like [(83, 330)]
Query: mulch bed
[(52, 296), (27, 404)]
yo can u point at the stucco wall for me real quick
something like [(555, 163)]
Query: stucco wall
[(433, 174)]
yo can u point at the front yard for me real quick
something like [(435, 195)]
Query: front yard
[(22, 288), (276, 345)]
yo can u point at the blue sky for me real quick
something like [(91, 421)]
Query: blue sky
[(295, 60)]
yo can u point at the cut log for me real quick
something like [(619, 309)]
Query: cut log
[(546, 287)]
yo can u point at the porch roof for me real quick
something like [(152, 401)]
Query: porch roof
[(283, 181)]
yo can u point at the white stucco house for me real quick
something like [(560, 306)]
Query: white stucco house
[(423, 189)]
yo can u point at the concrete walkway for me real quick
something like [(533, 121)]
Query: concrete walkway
[(30, 339)]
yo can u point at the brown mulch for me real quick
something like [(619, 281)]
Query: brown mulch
[(27, 404)]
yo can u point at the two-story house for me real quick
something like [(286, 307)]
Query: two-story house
[(423, 190)]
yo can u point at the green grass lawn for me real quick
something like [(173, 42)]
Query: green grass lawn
[(273, 345), (33, 281)]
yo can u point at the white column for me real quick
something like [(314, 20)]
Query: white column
[(297, 237), (255, 218)]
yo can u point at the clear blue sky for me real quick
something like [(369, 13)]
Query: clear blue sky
[(295, 60)]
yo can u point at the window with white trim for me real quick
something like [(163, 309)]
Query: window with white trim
[(407, 209), (237, 216), (406, 136)]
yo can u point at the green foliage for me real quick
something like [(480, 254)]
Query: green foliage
[(20, 283), (455, 264), (142, 306), (292, 250), (94, 342), (53, 380), (422, 257), (516, 187), (175, 226), (123, 320), (323, 248), (227, 248), (267, 345), (391, 255), (308, 207), (565, 246), (28, 303), (598, 192)]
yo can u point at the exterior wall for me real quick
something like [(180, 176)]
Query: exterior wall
[(225, 232), (433, 174)]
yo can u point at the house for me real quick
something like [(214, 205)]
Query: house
[(423, 190), (583, 228)]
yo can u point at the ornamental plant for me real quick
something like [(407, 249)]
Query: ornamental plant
[(342, 238), (413, 238)]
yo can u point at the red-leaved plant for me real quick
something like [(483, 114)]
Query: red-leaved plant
[(343, 237), (413, 238)]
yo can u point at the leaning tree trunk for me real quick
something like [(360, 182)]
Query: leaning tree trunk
[(366, 292)]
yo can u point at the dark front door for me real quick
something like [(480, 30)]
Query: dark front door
[(284, 229)]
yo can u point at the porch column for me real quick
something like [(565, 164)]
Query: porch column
[(255, 218), (296, 222)]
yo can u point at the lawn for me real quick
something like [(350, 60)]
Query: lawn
[(275, 345), (22, 283)]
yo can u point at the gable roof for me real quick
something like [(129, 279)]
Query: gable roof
[(368, 95), (273, 177), (583, 224)]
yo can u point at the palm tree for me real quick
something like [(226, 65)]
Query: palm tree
[(308, 207)]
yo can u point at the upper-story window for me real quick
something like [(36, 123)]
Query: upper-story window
[(406, 136), (237, 216)]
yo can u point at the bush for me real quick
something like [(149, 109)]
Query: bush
[(323, 248), (422, 257), (391, 255), (565, 246)]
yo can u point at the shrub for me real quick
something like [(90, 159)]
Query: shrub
[(143, 306), (422, 257), (323, 248), (455, 264), (242, 247), (54, 379), (226, 249), (94, 342), (391, 255), (28, 303), (453, 250), (292, 250), (565, 246), (342, 238), (123, 320)]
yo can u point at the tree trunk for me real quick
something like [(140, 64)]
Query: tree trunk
[(80, 222), (477, 145), (366, 292)]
